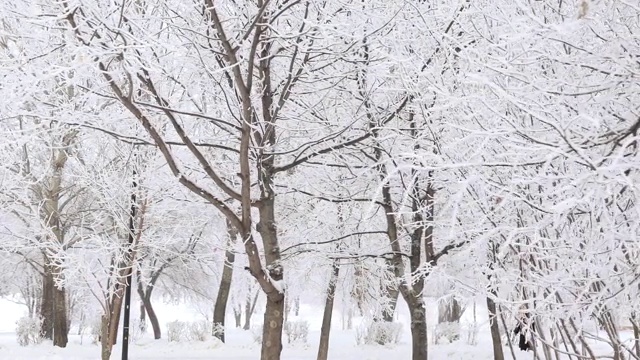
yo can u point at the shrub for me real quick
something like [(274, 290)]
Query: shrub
[(198, 330), (297, 331), (379, 332), (176, 331), (447, 331), (28, 331)]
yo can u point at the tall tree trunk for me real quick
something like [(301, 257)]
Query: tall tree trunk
[(272, 328), (325, 330), (53, 308), (296, 306), (220, 307), (60, 324), (495, 330), (417, 313), (47, 303)]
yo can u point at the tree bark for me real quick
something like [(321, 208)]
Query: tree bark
[(46, 305), (220, 307), (53, 309), (272, 329), (60, 324), (237, 315), (249, 309), (325, 330), (495, 330), (388, 313), (153, 317), (419, 344)]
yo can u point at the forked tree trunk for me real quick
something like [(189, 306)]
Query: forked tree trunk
[(220, 307), (325, 330), (495, 330)]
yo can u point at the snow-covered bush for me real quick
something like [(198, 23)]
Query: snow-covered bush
[(217, 330), (198, 330), (297, 331), (96, 329), (471, 333), (28, 331), (446, 332), (177, 331), (379, 332)]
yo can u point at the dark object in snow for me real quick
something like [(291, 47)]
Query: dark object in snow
[(524, 342)]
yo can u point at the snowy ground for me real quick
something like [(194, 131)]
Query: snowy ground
[(240, 344)]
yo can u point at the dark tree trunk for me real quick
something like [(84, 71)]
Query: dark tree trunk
[(249, 309), (272, 328), (296, 306), (237, 315), (53, 309), (60, 324), (495, 330), (146, 307), (46, 304), (153, 318), (143, 316), (323, 348), (388, 313), (419, 343), (220, 307)]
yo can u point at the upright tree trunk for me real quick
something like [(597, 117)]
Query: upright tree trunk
[(220, 307), (47, 303), (143, 316), (325, 330), (60, 323), (388, 313), (53, 309), (237, 315), (272, 328), (495, 330), (249, 309), (417, 313)]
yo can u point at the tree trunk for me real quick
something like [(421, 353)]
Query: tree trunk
[(237, 314), (153, 318), (389, 311), (495, 330), (60, 324), (53, 309), (220, 307), (323, 348), (46, 305), (249, 309), (272, 328), (143, 316), (296, 306), (417, 313)]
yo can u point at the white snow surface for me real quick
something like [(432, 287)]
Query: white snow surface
[(240, 344)]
